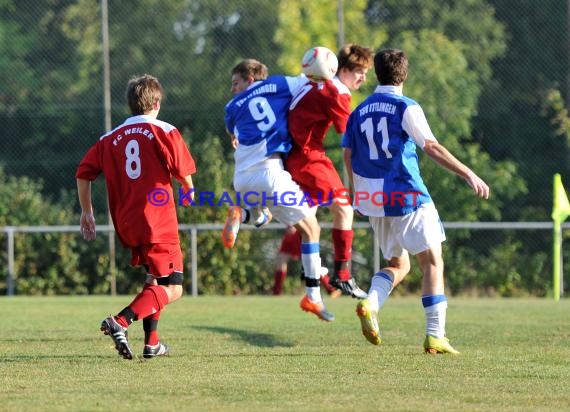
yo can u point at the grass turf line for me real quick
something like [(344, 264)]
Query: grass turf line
[(263, 353)]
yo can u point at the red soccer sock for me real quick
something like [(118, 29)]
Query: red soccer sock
[(278, 280), (150, 327), (122, 319), (151, 300), (342, 244)]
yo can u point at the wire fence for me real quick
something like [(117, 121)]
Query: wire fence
[(493, 80), (192, 230)]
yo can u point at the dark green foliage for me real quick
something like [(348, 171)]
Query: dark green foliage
[(491, 78)]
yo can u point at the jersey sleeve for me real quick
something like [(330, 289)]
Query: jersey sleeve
[(178, 158), (340, 112), (228, 118), (295, 83), (89, 167), (346, 140), (414, 122)]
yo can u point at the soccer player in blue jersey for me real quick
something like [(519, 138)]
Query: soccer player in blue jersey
[(380, 154), (256, 119)]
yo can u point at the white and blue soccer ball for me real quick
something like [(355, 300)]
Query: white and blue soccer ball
[(319, 63)]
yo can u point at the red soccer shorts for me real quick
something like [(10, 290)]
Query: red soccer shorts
[(159, 259), (316, 175)]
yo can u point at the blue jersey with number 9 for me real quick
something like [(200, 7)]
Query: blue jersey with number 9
[(258, 119)]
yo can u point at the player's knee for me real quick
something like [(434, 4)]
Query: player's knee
[(400, 267), (310, 229), (404, 268), (344, 212), (173, 284), (176, 292), (313, 233)]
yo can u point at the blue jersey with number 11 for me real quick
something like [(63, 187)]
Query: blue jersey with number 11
[(382, 133), (258, 118)]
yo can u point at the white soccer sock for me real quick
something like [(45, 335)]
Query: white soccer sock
[(380, 289), (311, 260), (435, 314), (245, 213), (314, 293)]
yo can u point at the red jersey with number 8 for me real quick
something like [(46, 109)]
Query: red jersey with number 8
[(139, 159)]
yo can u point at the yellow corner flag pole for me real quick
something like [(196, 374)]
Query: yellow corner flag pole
[(560, 211)]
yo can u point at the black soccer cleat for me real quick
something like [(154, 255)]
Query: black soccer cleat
[(110, 327), (160, 349), (348, 287)]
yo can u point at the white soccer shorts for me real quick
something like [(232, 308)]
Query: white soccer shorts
[(414, 232), (270, 185)]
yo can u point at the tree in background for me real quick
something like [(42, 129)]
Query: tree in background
[(45, 98), (476, 101), (45, 263), (512, 123), (451, 48)]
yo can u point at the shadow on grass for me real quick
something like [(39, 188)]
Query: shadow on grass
[(263, 340)]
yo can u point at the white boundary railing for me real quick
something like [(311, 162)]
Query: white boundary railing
[(193, 230)]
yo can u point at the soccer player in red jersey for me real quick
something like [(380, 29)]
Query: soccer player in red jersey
[(290, 249), (138, 159), (318, 106)]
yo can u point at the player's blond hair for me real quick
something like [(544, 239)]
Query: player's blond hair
[(251, 68), (354, 56)]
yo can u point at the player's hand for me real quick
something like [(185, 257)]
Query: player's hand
[(480, 188), (87, 224), (234, 141)]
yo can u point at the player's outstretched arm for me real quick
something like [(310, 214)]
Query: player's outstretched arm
[(87, 221), (444, 158), (188, 186)]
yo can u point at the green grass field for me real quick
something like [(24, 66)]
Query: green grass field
[(263, 353)]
